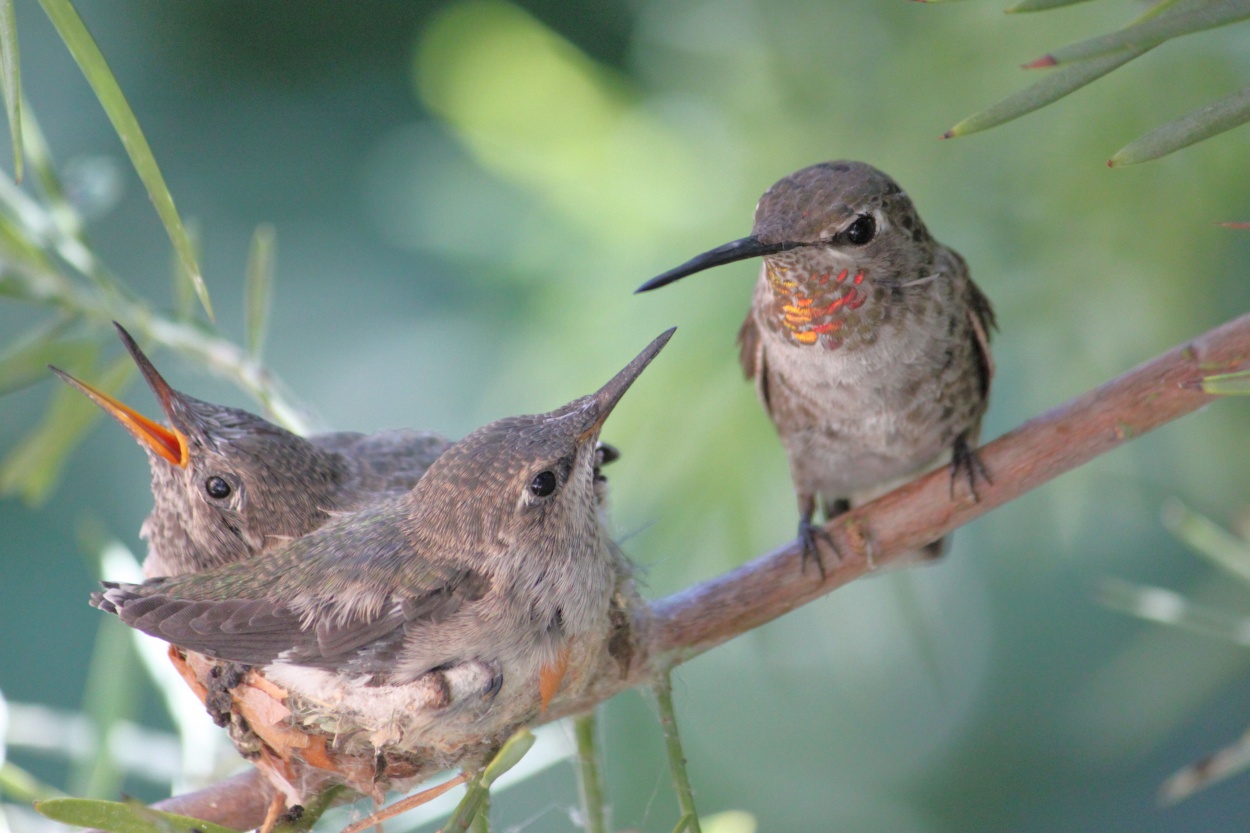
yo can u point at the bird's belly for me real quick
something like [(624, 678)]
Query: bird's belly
[(851, 422)]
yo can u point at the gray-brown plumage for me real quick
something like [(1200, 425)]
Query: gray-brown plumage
[(493, 578), (228, 484), (867, 340)]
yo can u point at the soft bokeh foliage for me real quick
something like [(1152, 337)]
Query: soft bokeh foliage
[(465, 195)]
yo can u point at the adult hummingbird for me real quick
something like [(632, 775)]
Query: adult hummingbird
[(228, 484), (435, 622), (867, 340)]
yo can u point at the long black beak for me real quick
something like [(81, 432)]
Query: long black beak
[(728, 253), (167, 396), (606, 397)]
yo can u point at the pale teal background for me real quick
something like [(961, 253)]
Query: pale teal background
[(465, 197)]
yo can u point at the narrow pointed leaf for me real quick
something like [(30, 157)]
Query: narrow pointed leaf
[(26, 362), (122, 817), (1167, 607), (85, 51), (16, 245), (109, 698), (1210, 770), (184, 286), (33, 468), (11, 82), (259, 289), (19, 784), (67, 236), (1171, 24), (1236, 225), (1052, 87), (1218, 116), (1208, 539), (1227, 384), (1040, 5)]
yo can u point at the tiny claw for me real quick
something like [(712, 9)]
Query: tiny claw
[(965, 460), (808, 533)]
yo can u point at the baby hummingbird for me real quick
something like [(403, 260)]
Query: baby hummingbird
[(228, 484), (867, 340), (489, 583)]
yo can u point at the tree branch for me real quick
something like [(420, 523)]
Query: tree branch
[(679, 627)]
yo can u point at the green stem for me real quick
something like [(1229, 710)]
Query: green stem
[(476, 800), (676, 760), (590, 779), (312, 811), (217, 354), (476, 795), (481, 822)]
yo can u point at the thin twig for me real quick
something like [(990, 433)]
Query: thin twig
[(406, 804), (681, 626), (589, 779), (676, 758)]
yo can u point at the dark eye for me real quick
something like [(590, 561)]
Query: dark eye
[(217, 487), (862, 230), (543, 484)]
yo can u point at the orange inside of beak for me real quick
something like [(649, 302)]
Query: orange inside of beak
[(167, 442)]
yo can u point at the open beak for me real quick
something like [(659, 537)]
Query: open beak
[(729, 253), (169, 443), (604, 400), (167, 396)]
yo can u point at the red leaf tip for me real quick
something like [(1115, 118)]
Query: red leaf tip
[(1042, 62)]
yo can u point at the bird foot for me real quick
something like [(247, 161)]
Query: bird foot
[(965, 461), (808, 535)]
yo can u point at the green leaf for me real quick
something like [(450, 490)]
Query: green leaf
[(81, 45), (509, 756), (1040, 5), (1211, 769), (1227, 384), (1174, 23), (19, 784), (1167, 607), (122, 817), (109, 697), (11, 82), (1218, 116), (1208, 539), (258, 292), (34, 466), (26, 361), (184, 286), (1052, 87)]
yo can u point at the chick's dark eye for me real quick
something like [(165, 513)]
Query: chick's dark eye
[(543, 484), (217, 487), (862, 230)]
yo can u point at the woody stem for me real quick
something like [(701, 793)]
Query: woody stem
[(684, 625)]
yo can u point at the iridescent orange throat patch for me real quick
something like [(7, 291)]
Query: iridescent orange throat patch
[(812, 311)]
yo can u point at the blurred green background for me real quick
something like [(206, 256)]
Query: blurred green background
[(465, 195)]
